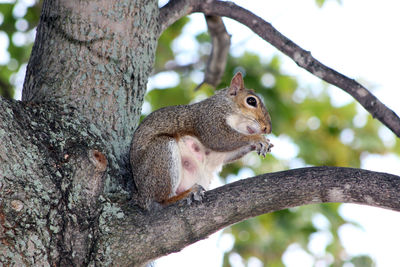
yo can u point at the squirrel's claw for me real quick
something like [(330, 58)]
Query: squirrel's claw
[(264, 147), (270, 145)]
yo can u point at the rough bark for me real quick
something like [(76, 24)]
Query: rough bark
[(51, 177), (64, 190), (96, 56), (68, 141)]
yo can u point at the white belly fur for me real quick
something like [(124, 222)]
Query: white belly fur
[(198, 163)]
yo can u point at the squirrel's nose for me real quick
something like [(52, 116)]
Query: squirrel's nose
[(264, 130)]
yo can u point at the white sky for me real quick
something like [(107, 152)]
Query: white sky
[(359, 39)]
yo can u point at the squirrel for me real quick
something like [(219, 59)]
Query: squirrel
[(176, 150)]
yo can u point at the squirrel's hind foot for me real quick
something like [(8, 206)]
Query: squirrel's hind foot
[(196, 194)]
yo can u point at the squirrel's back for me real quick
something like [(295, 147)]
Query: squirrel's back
[(181, 120)]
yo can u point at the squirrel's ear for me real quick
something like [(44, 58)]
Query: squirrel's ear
[(237, 84)]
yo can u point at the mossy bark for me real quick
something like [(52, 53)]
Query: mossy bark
[(64, 149)]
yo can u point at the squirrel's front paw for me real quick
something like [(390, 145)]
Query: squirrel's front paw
[(196, 194), (263, 147)]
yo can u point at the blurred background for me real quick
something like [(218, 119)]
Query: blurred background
[(314, 124)]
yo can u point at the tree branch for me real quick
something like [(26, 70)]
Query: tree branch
[(173, 11), (179, 225), (302, 57), (221, 41)]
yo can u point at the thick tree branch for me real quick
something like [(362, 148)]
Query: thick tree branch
[(179, 225), (302, 57)]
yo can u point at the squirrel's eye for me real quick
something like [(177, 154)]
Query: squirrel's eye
[(251, 101)]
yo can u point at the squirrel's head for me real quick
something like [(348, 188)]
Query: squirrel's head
[(251, 116)]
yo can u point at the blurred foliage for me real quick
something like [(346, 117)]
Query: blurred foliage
[(320, 3), (18, 23), (322, 133), (164, 50)]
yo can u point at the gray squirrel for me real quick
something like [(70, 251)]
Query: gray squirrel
[(176, 150)]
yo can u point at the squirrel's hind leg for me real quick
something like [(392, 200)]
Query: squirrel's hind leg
[(158, 174)]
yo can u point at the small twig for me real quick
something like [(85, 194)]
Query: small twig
[(221, 41), (173, 66), (302, 57), (220, 38)]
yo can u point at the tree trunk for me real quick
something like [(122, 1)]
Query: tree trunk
[(83, 93), (96, 56)]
